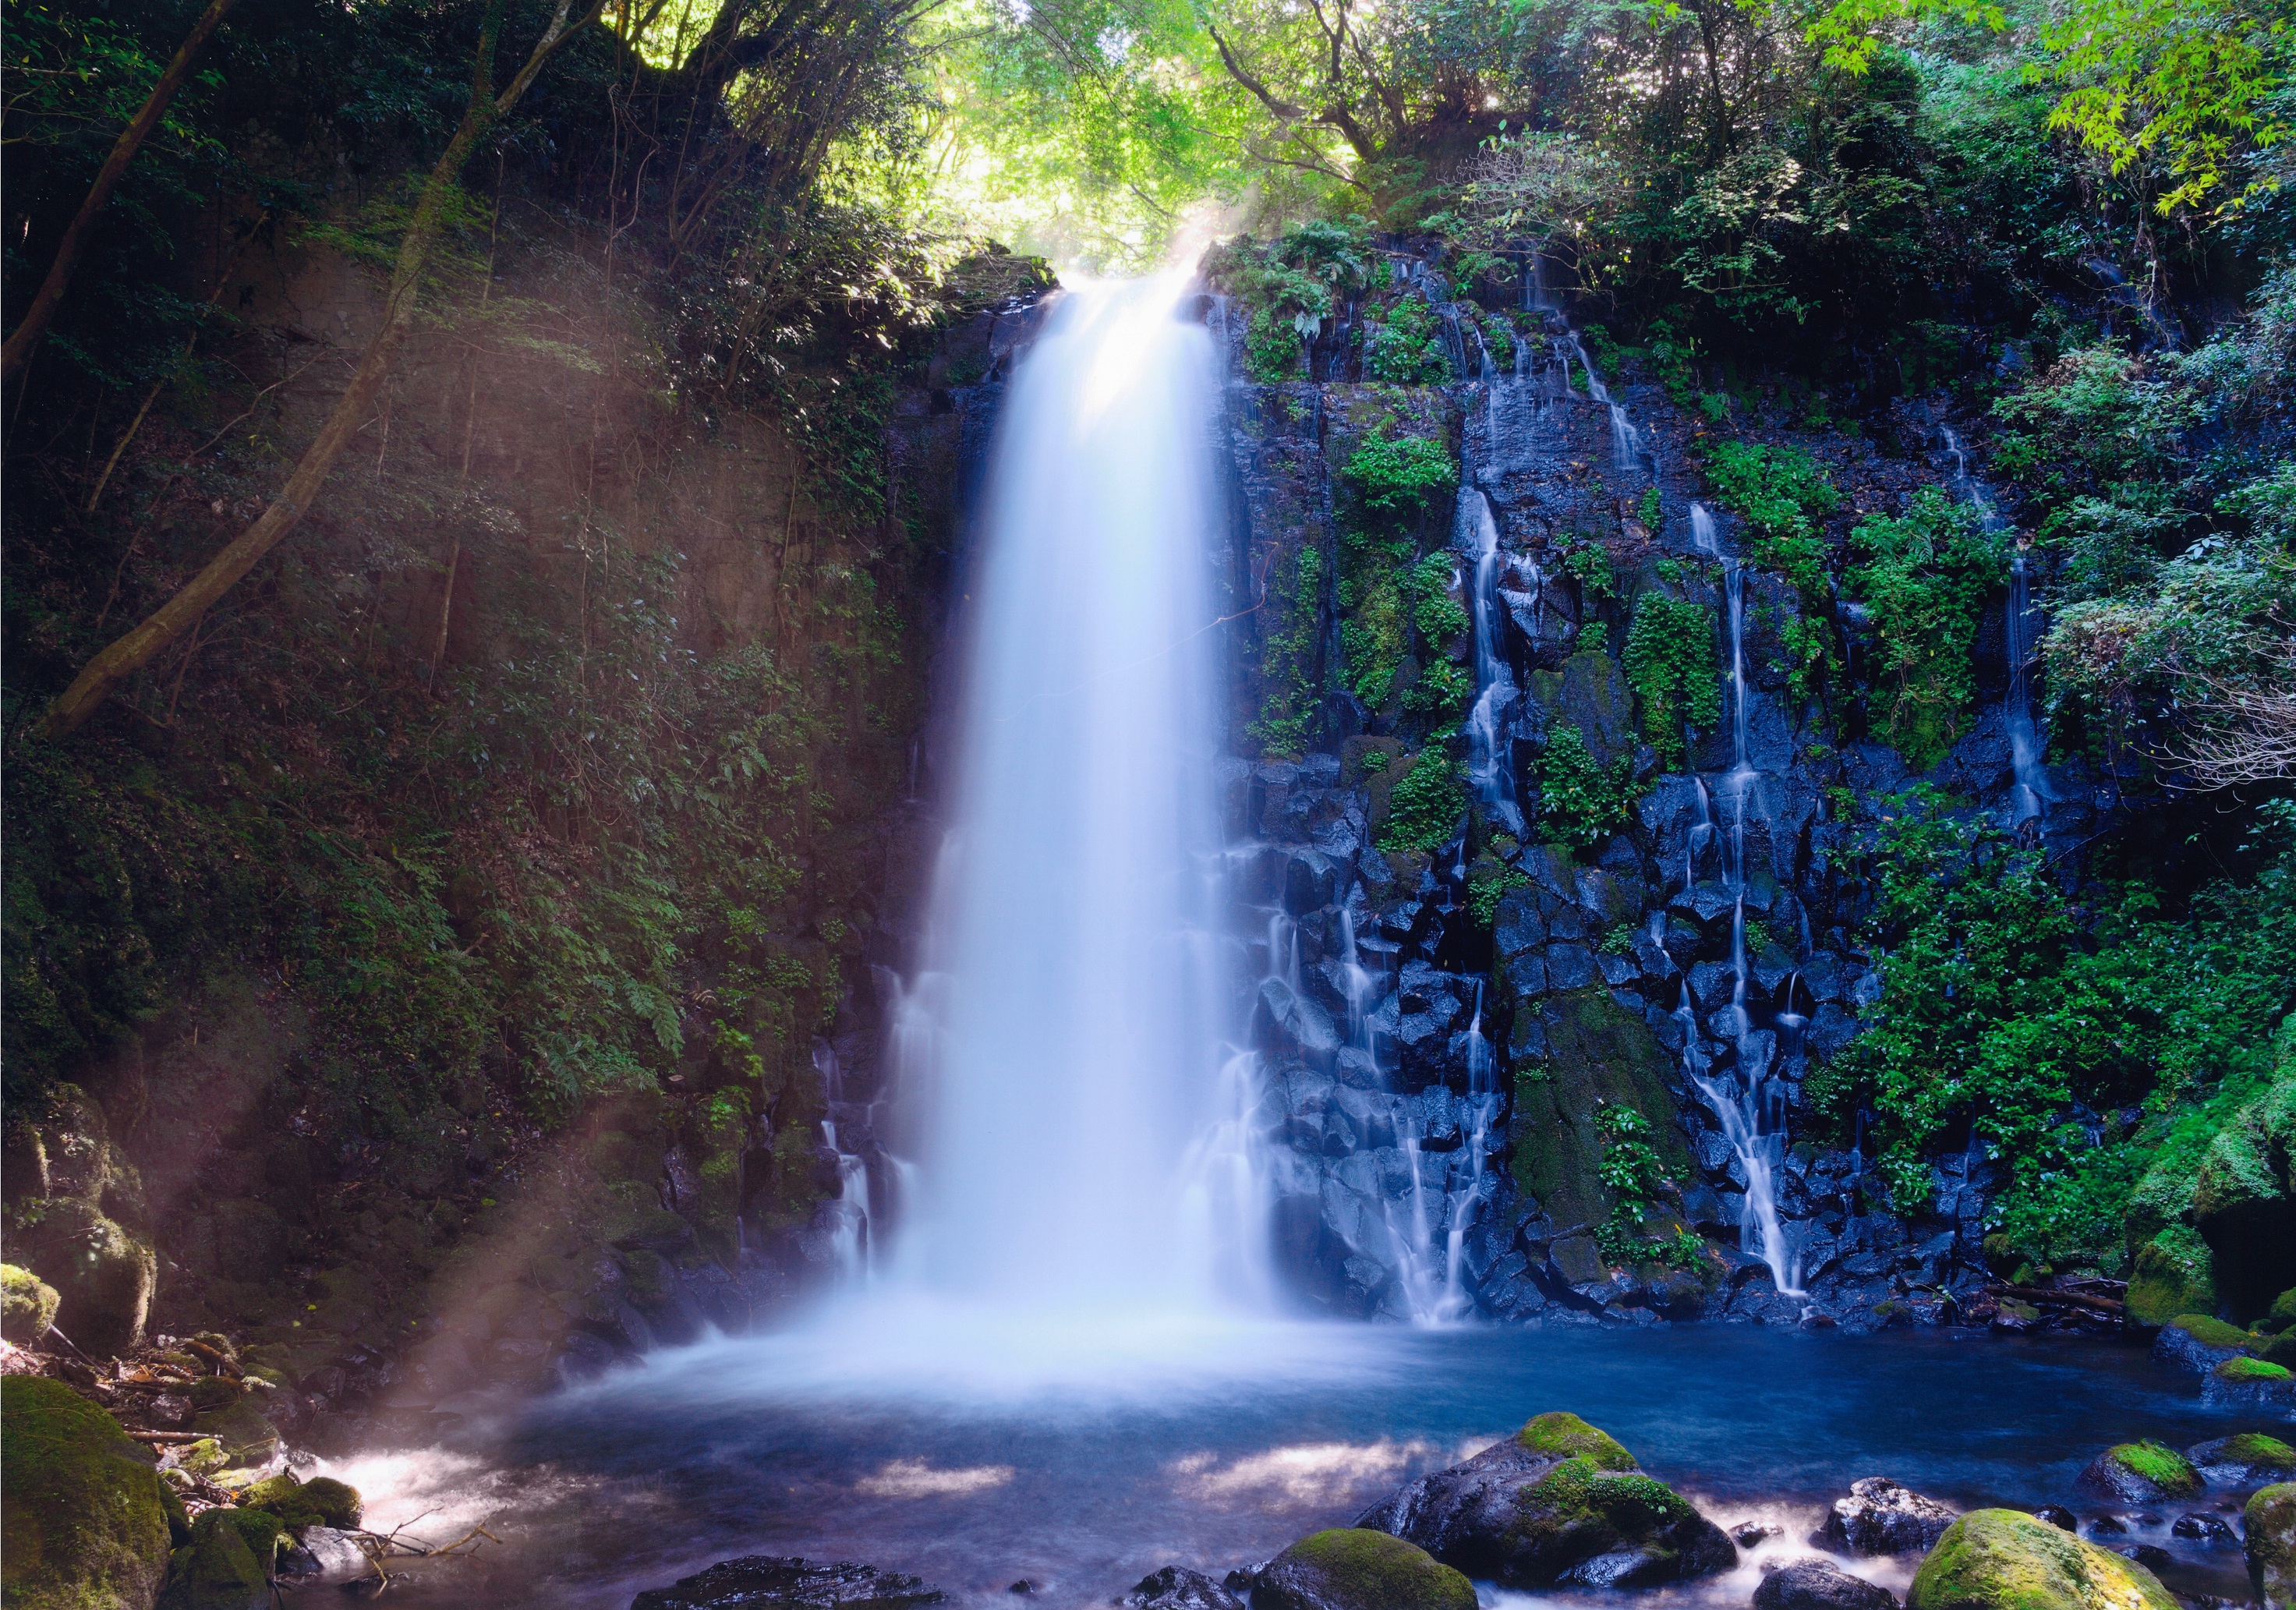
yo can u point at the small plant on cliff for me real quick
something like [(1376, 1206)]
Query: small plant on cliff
[(1924, 577), (1781, 493), (1424, 809), (1400, 475), (1580, 800), (1287, 710), (1405, 350), (1672, 665)]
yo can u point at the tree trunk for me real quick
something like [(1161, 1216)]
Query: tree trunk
[(137, 649), (18, 349)]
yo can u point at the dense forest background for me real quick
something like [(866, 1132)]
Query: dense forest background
[(542, 761)]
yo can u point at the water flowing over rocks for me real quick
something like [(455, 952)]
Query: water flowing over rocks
[(770, 1582), (1177, 1588)]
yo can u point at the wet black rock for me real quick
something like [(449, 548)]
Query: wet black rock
[(2151, 1555), (2203, 1527), (1747, 1533), (1880, 1516), (2248, 1459), (2107, 1525), (1816, 1585), (765, 1582), (1177, 1588), (2057, 1516)]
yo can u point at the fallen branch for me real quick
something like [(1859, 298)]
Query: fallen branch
[(2046, 1297), (168, 1436)]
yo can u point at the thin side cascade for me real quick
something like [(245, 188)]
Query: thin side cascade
[(1081, 1130), (1475, 536), (2023, 635), (1743, 1099)]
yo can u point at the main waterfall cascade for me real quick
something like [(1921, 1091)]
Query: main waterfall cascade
[(1071, 1117)]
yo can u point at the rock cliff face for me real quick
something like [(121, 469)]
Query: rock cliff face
[(1443, 1028)]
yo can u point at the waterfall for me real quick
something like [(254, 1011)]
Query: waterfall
[(1489, 766), (2022, 637), (1083, 1139), (1740, 1100)]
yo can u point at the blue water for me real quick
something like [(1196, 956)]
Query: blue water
[(1086, 1484)]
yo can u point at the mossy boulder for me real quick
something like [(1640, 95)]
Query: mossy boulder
[(2269, 1526), (83, 1515), (2244, 1460), (2003, 1559), (227, 1564), (2141, 1473), (1352, 1569), (28, 1305), (2175, 1274), (244, 1435), (2199, 1343), (2280, 1316), (2244, 1199), (2245, 1380), (102, 1272), (321, 1501), (1559, 1503)]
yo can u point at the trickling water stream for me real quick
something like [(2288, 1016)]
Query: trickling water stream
[(2022, 627)]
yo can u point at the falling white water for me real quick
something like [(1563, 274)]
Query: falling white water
[(1475, 534), (1739, 1099), (2023, 625), (1082, 1137)]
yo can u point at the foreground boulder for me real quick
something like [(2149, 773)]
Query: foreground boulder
[(1177, 1588), (28, 1305), (227, 1564), (1351, 1569), (1880, 1516), (1818, 1585), (2003, 1559), (2245, 1380), (321, 1501), (1558, 1503), (2199, 1343), (2141, 1473), (83, 1517), (760, 1582), (2244, 1460), (2270, 1526)]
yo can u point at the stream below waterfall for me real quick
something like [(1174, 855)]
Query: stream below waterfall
[(1218, 1449)]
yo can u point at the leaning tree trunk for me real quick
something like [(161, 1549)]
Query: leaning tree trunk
[(18, 349), (137, 649)]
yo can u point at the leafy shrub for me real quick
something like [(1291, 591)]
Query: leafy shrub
[(1674, 668), (1400, 475), (1781, 493), (1424, 807), (1404, 347), (1580, 801), (1925, 577)]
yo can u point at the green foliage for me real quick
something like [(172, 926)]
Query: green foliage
[(1580, 801), (1288, 654), (1436, 610), (1999, 1009), (1424, 807), (1400, 475), (1924, 577), (1630, 1169), (1488, 880), (1405, 347), (1672, 664), (1619, 939), (1587, 561), (1781, 493)]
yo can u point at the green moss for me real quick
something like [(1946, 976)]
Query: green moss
[(1289, 656), (322, 1501), (1565, 1435), (2246, 1371), (1361, 1570), (2211, 1331), (2173, 1274), (1581, 1508), (2255, 1448), (1599, 1056), (2003, 1559), (2269, 1526), (227, 1564), (28, 1304), (2159, 1464), (2282, 1315), (82, 1519)]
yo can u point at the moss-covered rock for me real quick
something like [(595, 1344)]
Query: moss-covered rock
[(2174, 1274), (2269, 1526), (2141, 1473), (1351, 1569), (2280, 1316), (28, 1305), (1598, 1054), (2003, 1559), (244, 1436), (1559, 1503), (2199, 1341), (321, 1501), (102, 1272), (227, 1564), (1563, 1436), (2244, 1460), (83, 1521), (2244, 1199), (2245, 1380)]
